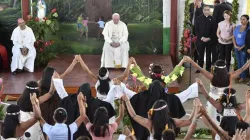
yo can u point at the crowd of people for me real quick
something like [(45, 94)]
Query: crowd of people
[(46, 111), (219, 36)]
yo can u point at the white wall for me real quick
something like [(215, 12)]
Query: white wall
[(242, 9), (166, 13), (180, 19)]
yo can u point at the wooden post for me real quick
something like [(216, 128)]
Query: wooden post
[(173, 32), (25, 9)]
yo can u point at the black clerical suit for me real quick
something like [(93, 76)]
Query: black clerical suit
[(194, 13), (204, 27), (219, 10)]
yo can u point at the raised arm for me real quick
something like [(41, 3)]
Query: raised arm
[(207, 74), (247, 116), (70, 68), (121, 113), (85, 117), (213, 125), (193, 125), (37, 115), (142, 121), (216, 104), (80, 100), (126, 72), (187, 122), (51, 92), (239, 71), (86, 69)]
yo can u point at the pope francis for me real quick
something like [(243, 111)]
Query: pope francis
[(116, 46)]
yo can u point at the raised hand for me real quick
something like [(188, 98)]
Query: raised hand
[(116, 81), (125, 97), (239, 135), (199, 82)]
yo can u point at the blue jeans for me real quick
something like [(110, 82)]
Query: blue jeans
[(241, 58)]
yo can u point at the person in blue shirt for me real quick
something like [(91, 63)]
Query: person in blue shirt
[(239, 44), (101, 24)]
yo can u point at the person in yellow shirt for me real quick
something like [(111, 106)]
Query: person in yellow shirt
[(79, 24)]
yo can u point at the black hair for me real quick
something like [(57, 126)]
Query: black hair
[(160, 119), (232, 99), (221, 76), (48, 107), (168, 134), (247, 17), (102, 18), (100, 125), (206, 6), (60, 115), (24, 101), (103, 88), (242, 125), (217, 1), (11, 122), (157, 69)]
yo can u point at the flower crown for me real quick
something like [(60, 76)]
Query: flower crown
[(155, 74), (31, 87), (106, 76), (13, 114), (150, 112)]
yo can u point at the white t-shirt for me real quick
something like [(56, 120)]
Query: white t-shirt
[(101, 24), (59, 131)]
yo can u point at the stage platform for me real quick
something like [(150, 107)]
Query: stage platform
[(14, 85)]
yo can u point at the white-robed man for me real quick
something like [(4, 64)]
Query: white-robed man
[(116, 46), (24, 52)]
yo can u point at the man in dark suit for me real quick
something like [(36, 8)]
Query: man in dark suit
[(204, 28), (195, 10), (219, 10)]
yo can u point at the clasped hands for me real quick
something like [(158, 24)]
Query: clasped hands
[(24, 51), (205, 39), (115, 45)]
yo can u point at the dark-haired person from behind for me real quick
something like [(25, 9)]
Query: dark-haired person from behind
[(168, 134), (26, 110), (12, 127), (49, 106), (100, 129), (61, 131), (239, 40)]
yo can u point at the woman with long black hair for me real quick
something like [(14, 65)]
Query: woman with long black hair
[(12, 128), (70, 104), (49, 106), (26, 110), (102, 80)]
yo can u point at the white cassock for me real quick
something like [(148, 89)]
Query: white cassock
[(115, 57), (23, 38)]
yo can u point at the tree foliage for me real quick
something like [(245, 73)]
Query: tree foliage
[(139, 11)]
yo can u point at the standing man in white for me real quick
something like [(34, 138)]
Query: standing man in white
[(116, 46), (24, 52)]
